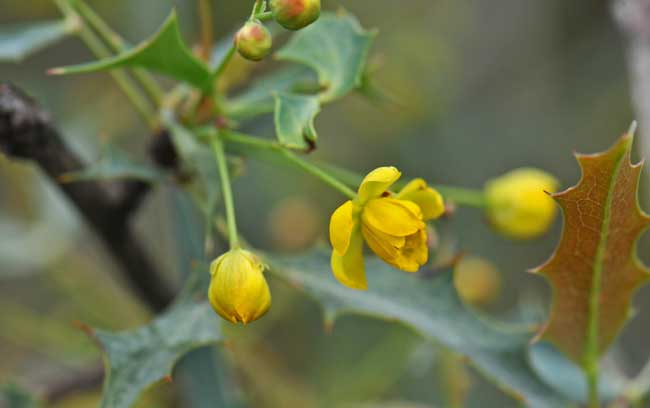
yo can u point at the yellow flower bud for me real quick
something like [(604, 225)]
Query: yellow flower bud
[(253, 41), (295, 14), (518, 203), (238, 291), (477, 281)]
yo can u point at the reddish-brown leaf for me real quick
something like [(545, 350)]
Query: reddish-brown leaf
[(595, 271)]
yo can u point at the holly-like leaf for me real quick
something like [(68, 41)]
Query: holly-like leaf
[(138, 358), (294, 120), (18, 41), (165, 52), (431, 308), (595, 271), (112, 165), (336, 47)]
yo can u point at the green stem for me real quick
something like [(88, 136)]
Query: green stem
[(217, 147), (207, 34), (100, 51), (258, 8), (317, 172), (117, 44), (224, 62), (462, 196), (272, 151), (265, 16), (280, 154)]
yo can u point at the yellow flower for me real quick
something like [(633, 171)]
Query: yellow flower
[(518, 205), (393, 226), (238, 291)]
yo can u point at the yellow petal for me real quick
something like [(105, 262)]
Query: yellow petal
[(412, 255), (392, 216), (341, 225), (349, 268), (428, 199), (385, 246), (376, 182)]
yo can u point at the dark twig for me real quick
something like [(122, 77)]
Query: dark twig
[(26, 132)]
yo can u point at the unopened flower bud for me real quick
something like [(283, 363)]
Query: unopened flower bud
[(477, 281), (238, 291), (295, 14), (518, 203), (253, 41)]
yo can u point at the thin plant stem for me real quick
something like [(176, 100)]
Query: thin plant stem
[(125, 83), (258, 8), (319, 173), (221, 68), (264, 16), (117, 44), (217, 148), (207, 33), (459, 195)]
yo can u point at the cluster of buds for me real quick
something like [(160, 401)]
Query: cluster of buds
[(253, 41)]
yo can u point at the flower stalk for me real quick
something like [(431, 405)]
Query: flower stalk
[(217, 148)]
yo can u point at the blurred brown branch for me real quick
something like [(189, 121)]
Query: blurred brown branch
[(26, 132)]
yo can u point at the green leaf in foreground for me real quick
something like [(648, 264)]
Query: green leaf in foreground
[(114, 164), (431, 308), (294, 120), (138, 358), (18, 41), (165, 52), (336, 47)]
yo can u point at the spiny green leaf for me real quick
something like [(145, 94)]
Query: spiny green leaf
[(431, 308), (595, 271), (165, 52), (294, 120), (18, 41), (114, 164), (336, 47), (138, 358)]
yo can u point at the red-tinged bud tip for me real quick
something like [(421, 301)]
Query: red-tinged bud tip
[(295, 14), (253, 41)]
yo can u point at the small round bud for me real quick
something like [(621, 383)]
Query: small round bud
[(238, 290), (477, 281), (295, 14), (518, 203), (253, 41)]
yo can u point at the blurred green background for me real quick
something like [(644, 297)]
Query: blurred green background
[(481, 87)]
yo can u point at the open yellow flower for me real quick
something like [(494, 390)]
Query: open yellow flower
[(238, 291), (393, 226)]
